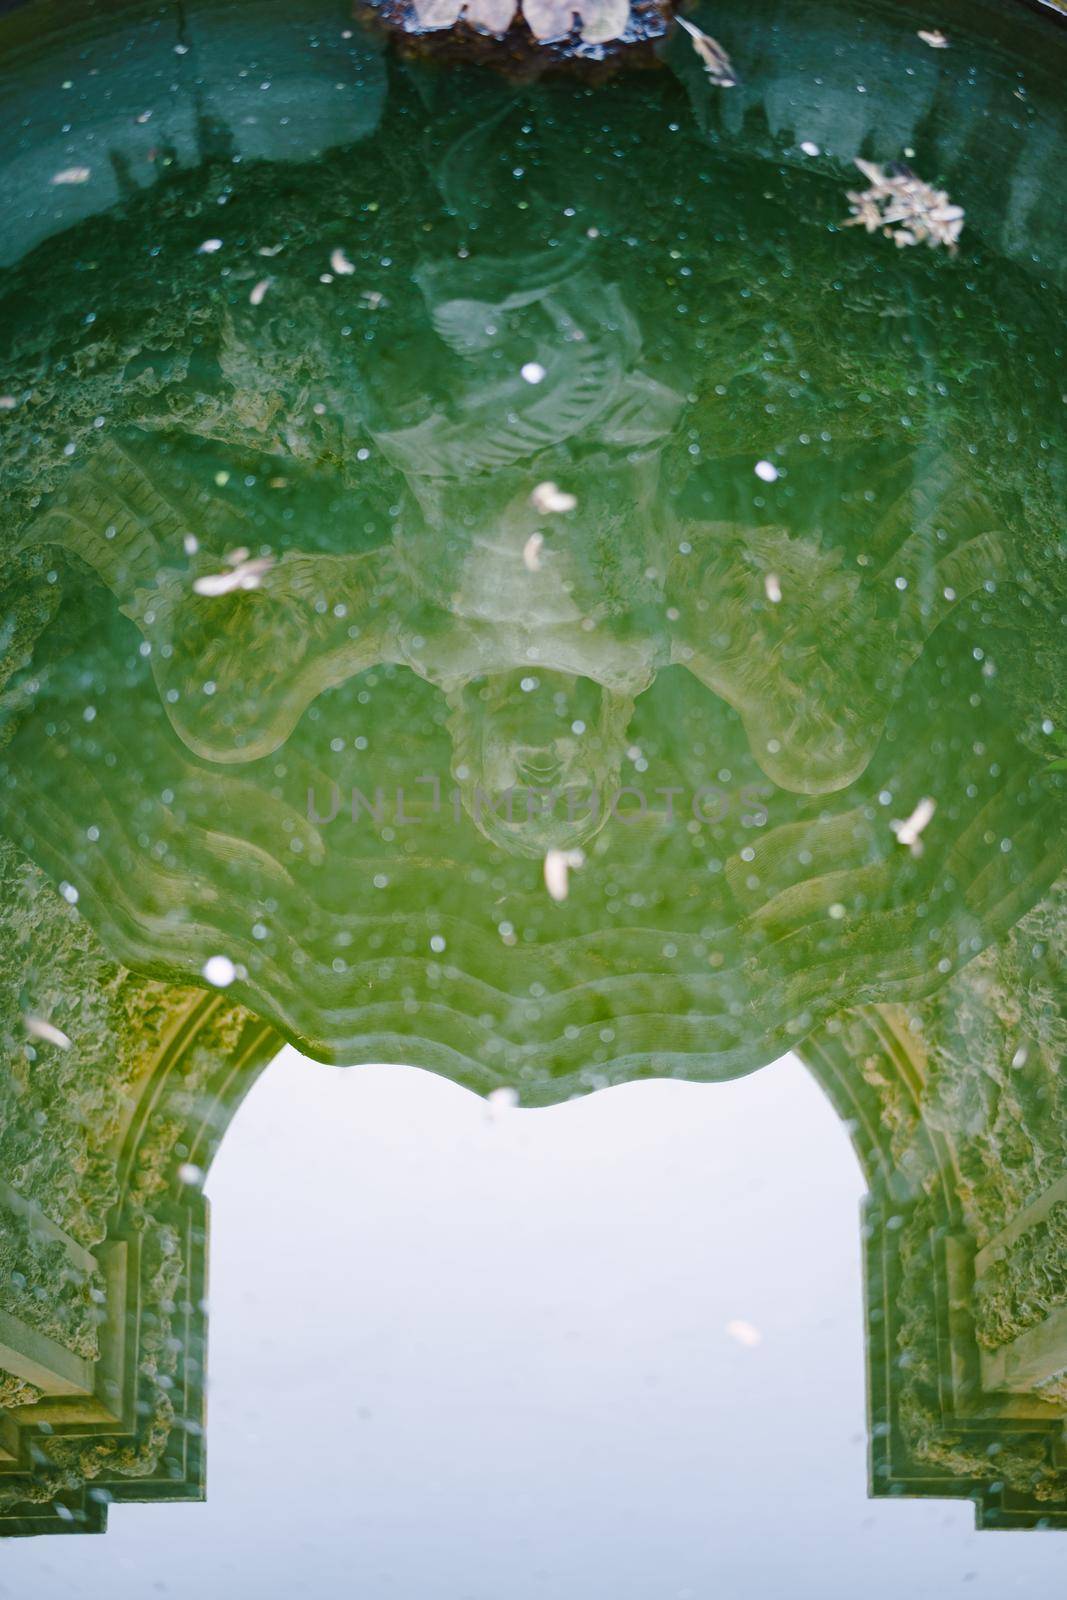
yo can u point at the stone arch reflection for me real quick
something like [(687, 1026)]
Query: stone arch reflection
[(104, 1160)]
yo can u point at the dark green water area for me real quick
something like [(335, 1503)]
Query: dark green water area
[(501, 578)]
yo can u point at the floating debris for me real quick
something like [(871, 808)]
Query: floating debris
[(246, 572), (209, 247), (908, 832), (373, 298), (340, 264), (549, 497), (809, 148), (73, 175), (745, 1333), (766, 471), (47, 1032), (7, 402), (772, 588), (905, 208), (558, 864), (219, 971), (258, 294), (533, 372), (190, 544), (717, 64), (934, 38), (531, 552), (270, 249)]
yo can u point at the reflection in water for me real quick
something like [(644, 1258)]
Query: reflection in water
[(781, 675)]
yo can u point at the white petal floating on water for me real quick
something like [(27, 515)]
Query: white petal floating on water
[(767, 471), (549, 497), (934, 38), (492, 16), (772, 588), (73, 175), (533, 372), (340, 264), (745, 1333), (550, 19), (558, 864), (603, 20), (809, 148), (216, 583), (208, 247), (908, 832), (219, 971), (47, 1032), (531, 552), (243, 574), (437, 13), (259, 292)]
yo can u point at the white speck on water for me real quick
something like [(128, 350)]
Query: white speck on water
[(934, 38), (191, 1174), (1020, 1057), (181, 49), (766, 471), (209, 247), (531, 552), (745, 1333), (809, 149), (772, 588), (259, 292), (244, 573), (7, 402), (69, 893), (533, 372), (219, 971), (550, 498), (908, 832), (558, 865), (73, 175), (340, 264), (47, 1032), (437, 944), (190, 544)]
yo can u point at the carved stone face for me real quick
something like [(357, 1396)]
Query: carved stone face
[(537, 755)]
